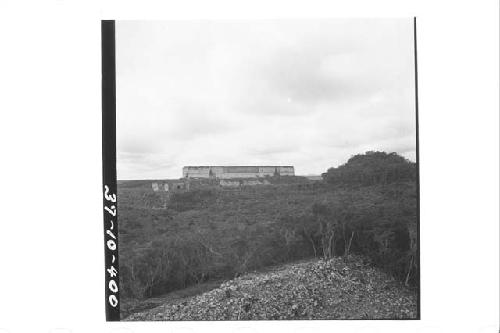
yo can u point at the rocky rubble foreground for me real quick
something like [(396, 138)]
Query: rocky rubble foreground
[(318, 289)]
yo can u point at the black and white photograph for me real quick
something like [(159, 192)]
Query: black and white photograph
[(266, 169), (250, 166)]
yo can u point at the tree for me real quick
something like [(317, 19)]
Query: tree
[(372, 168)]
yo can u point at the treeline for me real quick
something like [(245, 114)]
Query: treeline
[(385, 231), (378, 221), (372, 211), (372, 168)]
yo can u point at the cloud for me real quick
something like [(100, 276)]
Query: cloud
[(308, 93)]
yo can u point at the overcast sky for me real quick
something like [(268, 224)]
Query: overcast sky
[(307, 93)]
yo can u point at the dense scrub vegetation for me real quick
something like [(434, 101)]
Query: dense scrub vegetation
[(378, 221), (372, 168), (369, 207)]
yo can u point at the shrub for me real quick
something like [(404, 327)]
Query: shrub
[(183, 201), (372, 168)]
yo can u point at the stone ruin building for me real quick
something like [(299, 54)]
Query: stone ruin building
[(231, 172)]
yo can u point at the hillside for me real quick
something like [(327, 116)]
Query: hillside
[(181, 241), (223, 226), (313, 289)]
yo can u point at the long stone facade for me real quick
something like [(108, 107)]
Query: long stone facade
[(229, 172)]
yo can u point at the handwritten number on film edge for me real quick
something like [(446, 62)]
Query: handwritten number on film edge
[(111, 244)]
